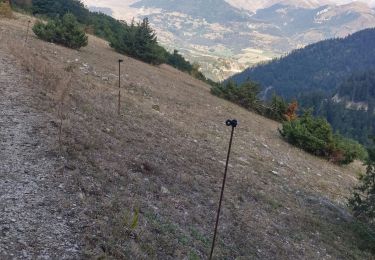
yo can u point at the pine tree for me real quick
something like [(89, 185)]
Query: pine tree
[(363, 200)]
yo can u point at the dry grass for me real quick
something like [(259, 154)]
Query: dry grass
[(5, 11), (280, 203)]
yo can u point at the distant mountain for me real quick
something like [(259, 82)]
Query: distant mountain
[(227, 36), (219, 10), (255, 5), (321, 66)]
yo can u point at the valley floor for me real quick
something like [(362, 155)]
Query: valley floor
[(145, 184)]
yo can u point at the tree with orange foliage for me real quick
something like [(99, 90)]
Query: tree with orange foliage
[(291, 112)]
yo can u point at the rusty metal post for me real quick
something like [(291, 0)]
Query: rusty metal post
[(233, 123), (27, 31), (119, 86)]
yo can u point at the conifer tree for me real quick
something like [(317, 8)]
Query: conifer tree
[(363, 200)]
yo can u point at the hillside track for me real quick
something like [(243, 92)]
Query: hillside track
[(32, 224)]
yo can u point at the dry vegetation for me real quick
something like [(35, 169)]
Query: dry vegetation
[(147, 182), (5, 10)]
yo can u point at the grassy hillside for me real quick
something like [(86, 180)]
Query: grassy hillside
[(145, 184)]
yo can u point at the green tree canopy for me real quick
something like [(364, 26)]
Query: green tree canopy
[(65, 31)]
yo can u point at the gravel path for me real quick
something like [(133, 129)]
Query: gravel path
[(33, 222)]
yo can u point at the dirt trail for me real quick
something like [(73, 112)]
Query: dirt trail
[(32, 226)]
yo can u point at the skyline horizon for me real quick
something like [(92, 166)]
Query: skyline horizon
[(103, 3)]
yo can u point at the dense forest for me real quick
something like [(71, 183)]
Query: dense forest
[(135, 39), (350, 109), (336, 78), (320, 66)]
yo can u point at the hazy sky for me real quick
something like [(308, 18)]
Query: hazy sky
[(125, 2), (370, 2)]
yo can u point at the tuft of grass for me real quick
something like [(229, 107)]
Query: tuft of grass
[(5, 10), (193, 256)]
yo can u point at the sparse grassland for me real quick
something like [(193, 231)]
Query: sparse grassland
[(146, 183)]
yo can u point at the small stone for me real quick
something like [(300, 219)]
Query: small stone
[(164, 190), (275, 173), (81, 195)]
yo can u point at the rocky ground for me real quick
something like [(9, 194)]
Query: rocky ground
[(32, 223)]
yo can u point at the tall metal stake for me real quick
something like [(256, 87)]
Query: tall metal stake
[(119, 86), (233, 123), (27, 31)]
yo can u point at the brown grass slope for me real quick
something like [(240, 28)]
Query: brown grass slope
[(164, 158)]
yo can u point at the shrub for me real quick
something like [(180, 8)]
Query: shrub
[(5, 10), (315, 136), (311, 134), (347, 150), (66, 31), (277, 108), (363, 199), (291, 111), (178, 61)]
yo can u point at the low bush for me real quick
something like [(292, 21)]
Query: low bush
[(65, 31), (315, 135), (5, 10), (363, 199)]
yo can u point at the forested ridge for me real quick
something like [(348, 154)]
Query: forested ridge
[(320, 66)]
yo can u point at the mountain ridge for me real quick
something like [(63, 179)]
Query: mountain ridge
[(227, 44)]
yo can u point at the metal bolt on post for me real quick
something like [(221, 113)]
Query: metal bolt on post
[(119, 86), (233, 123)]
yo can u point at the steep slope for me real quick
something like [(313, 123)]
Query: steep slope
[(321, 66), (32, 195), (145, 184)]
